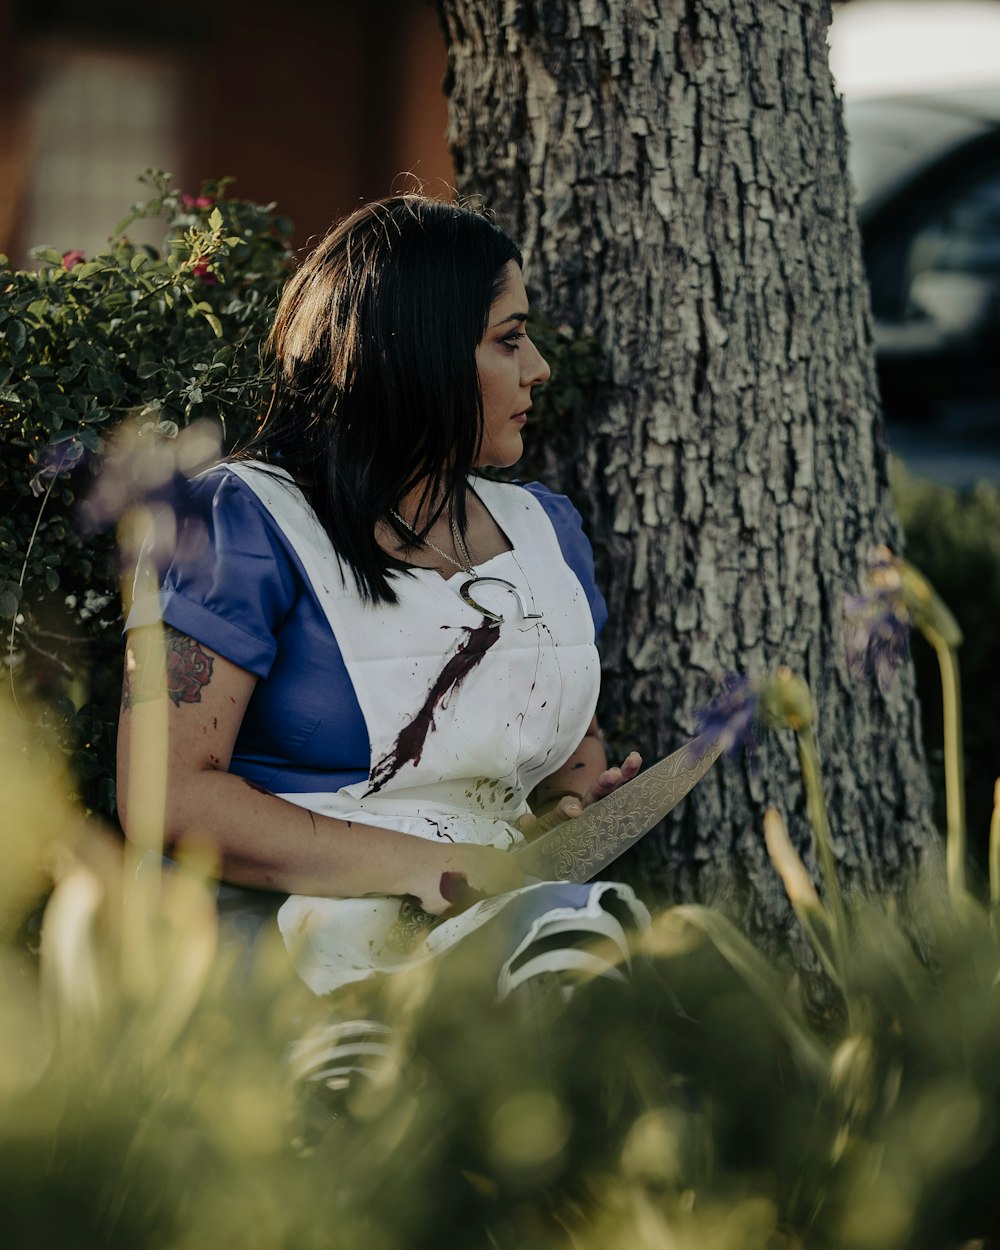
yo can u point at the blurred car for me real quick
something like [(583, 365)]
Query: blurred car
[(926, 169)]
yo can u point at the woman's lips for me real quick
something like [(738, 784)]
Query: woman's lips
[(520, 417)]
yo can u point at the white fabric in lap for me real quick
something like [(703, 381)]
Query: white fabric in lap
[(582, 963), (601, 925), (326, 1055), (568, 963)]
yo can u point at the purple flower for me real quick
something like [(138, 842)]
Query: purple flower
[(148, 465), (145, 475), (878, 632), (731, 718), (54, 460)]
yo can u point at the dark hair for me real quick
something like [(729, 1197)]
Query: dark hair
[(376, 386)]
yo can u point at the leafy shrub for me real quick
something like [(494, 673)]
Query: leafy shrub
[(166, 339)]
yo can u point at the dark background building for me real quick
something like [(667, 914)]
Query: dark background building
[(316, 104)]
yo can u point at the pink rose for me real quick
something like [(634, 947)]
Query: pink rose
[(200, 269), (72, 258), (196, 201)]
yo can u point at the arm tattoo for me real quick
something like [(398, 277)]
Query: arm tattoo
[(188, 665)]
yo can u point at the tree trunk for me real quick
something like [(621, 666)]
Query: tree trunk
[(676, 173)]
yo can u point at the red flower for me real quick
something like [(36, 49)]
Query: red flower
[(200, 269), (72, 258), (196, 201)]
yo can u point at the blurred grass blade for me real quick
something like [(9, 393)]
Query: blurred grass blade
[(186, 941), (39, 818), (995, 847), (146, 663), (70, 958), (890, 955), (800, 890), (761, 977), (954, 764), (812, 780)]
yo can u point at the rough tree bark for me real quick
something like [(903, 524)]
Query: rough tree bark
[(675, 170)]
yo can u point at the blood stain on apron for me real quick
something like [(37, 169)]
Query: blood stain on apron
[(409, 744)]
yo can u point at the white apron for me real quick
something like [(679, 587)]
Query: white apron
[(464, 718)]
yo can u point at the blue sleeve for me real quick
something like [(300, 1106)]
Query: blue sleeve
[(230, 583), (576, 549)]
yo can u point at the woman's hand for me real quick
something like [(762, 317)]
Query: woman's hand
[(569, 806), (466, 874), (612, 778)]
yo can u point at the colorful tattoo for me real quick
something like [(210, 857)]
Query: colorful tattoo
[(188, 664)]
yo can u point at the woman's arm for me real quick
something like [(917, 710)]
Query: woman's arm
[(261, 841), (582, 780)]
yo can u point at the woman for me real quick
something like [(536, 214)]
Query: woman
[(374, 655)]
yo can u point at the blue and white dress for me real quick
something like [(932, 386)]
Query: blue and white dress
[(425, 716)]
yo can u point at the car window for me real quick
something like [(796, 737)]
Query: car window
[(965, 236), (892, 140), (936, 277)]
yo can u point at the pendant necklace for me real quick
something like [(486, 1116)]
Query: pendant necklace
[(465, 590)]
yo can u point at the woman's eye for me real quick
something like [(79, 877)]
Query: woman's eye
[(511, 340)]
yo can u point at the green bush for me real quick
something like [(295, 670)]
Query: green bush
[(166, 339), (954, 538)]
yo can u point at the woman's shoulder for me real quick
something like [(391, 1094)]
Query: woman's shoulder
[(212, 492), (573, 542), (560, 509), (222, 501), (229, 562), (223, 486), (239, 518)]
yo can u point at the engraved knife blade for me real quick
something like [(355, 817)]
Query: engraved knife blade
[(578, 849)]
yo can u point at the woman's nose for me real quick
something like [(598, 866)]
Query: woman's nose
[(536, 367)]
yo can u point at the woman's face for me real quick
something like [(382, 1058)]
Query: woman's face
[(509, 365)]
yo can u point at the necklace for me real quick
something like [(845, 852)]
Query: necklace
[(459, 541), (460, 547), (465, 590)]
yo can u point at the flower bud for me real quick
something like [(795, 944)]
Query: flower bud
[(926, 606), (786, 700), (890, 573)]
